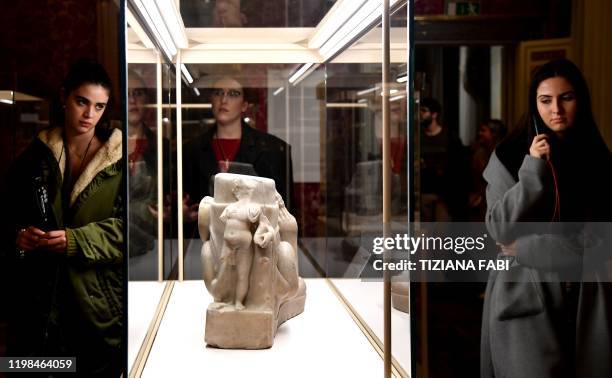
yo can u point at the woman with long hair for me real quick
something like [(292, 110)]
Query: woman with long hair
[(66, 202), (546, 181)]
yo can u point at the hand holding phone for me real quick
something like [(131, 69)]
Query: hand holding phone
[(540, 148)]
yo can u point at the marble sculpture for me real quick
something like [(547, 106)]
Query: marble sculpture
[(249, 260)]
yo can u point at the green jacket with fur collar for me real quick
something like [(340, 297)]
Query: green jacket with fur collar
[(84, 287)]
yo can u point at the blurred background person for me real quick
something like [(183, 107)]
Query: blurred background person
[(142, 164), (444, 167), (490, 134)]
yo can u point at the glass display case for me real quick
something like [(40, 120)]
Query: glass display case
[(311, 76)]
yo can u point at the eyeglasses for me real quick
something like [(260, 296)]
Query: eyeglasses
[(231, 93), (137, 93)]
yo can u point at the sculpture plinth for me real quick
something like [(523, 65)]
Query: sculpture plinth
[(249, 260)]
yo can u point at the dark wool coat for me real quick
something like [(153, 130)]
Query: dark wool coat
[(535, 323), (268, 155)]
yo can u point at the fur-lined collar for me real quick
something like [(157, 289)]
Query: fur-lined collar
[(108, 154)]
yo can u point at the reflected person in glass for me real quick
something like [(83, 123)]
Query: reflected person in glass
[(142, 164), (232, 145)]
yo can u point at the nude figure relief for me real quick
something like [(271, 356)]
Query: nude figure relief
[(249, 260)]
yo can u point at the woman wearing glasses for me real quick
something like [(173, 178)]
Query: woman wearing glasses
[(231, 145)]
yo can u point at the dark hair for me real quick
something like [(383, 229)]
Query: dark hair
[(433, 105), (497, 127), (85, 71), (584, 132), (567, 70)]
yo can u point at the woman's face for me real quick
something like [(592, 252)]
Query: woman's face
[(137, 97), (557, 103), (228, 101), (84, 107)]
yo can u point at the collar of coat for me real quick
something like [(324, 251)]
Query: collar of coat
[(108, 154), (496, 171)]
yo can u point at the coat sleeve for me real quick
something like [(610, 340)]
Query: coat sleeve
[(582, 252), (507, 206), (97, 242)]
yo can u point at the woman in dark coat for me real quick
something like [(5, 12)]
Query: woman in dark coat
[(233, 146), (550, 315)]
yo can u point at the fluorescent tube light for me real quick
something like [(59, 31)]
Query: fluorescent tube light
[(160, 25), (279, 90), (345, 105), (335, 18), (391, 92), (151, 26), (357, 23), (142, 35), (299, 72), (196, 91), (402, 79), (397, 98), (368, 13), (163, 20), (185, 72), (5, 101), (366, 91), (173, 21)]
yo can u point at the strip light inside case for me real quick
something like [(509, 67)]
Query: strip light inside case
[(163, 20), (346, 21)]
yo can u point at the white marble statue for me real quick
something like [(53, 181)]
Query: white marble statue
[(249, 261)]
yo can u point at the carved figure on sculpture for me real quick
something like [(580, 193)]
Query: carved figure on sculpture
[(249, 261)]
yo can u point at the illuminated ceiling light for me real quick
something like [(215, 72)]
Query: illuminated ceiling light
[(279, 90), (142, 35), (173, 21), (196, 91), (344, 28), (164, 22), (346, 105), (297, 74), (402, 79), (186, 73), (366, 91), (397, 98), (391, 92), (333, 20)]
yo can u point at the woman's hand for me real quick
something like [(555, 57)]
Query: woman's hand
[(540, 147), (508, 249), (31, 238), (27, 238), (53, 241)]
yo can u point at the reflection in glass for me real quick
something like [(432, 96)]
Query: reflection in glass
[(253, 13)]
